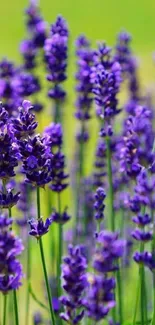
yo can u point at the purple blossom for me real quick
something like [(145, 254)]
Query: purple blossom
[(36, 160), (39, 227), (73, 274), (25, 123), (99, 205), (99, 297), (10, 268), (8, 199), (60, 218), (55, 48)]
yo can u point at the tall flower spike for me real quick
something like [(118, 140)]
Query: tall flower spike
[(99, 205), (73, 274), (36, 160), (99, 296), (36, 26), (55, 48), (9, 154), (10, 268), (106, 85)]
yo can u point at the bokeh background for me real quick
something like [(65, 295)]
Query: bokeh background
[(99, 20)]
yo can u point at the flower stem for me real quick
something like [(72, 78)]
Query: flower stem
[(111, 191), (136, 304), (120, 301), (46, 281), (60, 249), (80, 176), (4, 309), (142, 291), (111, 204), (28, 279), (44, 263), (15, 307), (14, 292)]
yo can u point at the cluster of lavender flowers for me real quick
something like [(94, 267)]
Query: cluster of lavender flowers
[(109, 191)]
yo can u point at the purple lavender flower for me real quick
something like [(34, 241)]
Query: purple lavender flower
[(10, 268), (37, 318), (105, 88), (107, 255), (83, 77), (24, 124), (29, 52), (4, 116), (60, 218), (56, 58), (7, 68), (8, 199), (39, 227), (99, 205), (99, 296), (55, 134), (128, 63), (26, 84), (100, 164), (58, 175), (36, 26), (7, 73), (9, 154), (36, 160), (73, 274)]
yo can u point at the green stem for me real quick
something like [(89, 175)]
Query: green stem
[(15, 307), (111, 191), (46, 281), (28, 279), (111, 201), (153, 317), (60, 249), (4, 309), (38, 202), (120, 301), (57, 113), (142, 291), (14, 292), (44, 263), (80, 176), (137, 300)]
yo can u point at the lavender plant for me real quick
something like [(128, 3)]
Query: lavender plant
[(105, 220)]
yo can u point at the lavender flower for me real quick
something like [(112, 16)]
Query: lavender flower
[(25, 123), (105, 88), (56, 58), (100, 297), (73, 273), (39, 227), (29, 52), (36, 26), (9, 154), (36, 160), (110, 251), (26, 84), (99, 205), (10, 268), (8, 199), (60, 218), (83, 77)]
